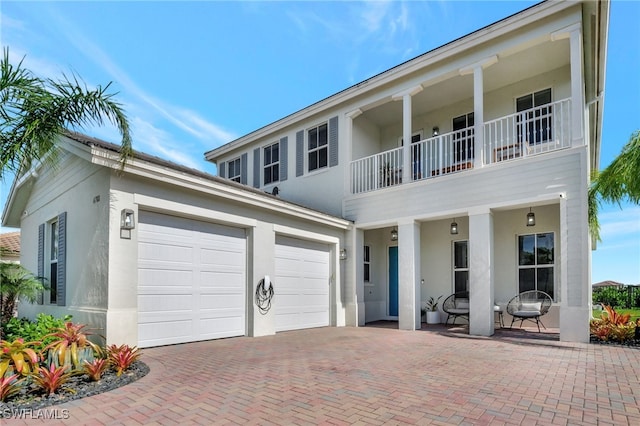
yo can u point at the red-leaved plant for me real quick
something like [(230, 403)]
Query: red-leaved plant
[(51, 379), (72, 346), (121, 357), (95, 368), (9, 385)]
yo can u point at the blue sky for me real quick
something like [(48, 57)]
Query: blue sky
[(195, 75)]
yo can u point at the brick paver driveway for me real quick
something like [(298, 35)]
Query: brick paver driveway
[(373, 375)]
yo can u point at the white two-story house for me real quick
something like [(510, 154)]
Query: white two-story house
[(463, 170), (440, 161)]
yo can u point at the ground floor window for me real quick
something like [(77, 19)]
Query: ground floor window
[(367, 264), (53, 262), (536, 262), (460, 266)]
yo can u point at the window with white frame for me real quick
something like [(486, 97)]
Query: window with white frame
[(461, 266), (536, 264), (535, 120), (317, 147), (52, 275), (271, 163), (367, 264), (234, 171)]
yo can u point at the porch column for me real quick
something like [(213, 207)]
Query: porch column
[(574, 268), (348, 178), (578, 109), (478, 106), (406, 129), (481, 287), (409, 276), (354, 285)]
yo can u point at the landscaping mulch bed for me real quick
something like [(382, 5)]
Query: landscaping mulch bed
[(77, 387), (634, 343)]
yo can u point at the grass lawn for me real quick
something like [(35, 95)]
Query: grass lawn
[(635, 313)]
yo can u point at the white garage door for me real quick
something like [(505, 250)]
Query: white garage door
[(301, 284), (191, 280)]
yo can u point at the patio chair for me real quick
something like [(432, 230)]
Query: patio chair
[(529, 306), (456, 305)]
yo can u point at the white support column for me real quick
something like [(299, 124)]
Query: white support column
[(481, 286), (409, 276), (478, 115), (354, 285), (478, 105), (577, 90), (406, 129), (578, 108), (350, 116)]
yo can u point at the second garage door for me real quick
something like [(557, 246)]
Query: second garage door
[(301, 284), (191, 280)]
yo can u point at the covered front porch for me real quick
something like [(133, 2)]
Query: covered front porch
[(494, 256)]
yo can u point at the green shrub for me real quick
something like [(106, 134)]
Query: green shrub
[(34, 331)]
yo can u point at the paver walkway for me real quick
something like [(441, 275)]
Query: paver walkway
[(374, 376)]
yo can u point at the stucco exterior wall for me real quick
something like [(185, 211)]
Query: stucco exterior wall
[(79, 188)]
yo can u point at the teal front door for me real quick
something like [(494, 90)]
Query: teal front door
[(393, 281)]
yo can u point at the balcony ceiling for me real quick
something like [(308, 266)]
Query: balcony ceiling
[(508, 70)]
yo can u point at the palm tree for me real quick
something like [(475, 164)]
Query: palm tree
[(618, 182), (17, 283), (35, 111)]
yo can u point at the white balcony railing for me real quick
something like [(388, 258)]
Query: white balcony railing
[(535, 131), (531, 132)]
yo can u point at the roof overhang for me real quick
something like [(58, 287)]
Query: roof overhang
[(107, 155)]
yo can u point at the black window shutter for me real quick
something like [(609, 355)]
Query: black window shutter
[(41, 230), (243, 168), (284, 158), (333, 141), (300, 153), (222, 169), (256, 168), (62, 259)]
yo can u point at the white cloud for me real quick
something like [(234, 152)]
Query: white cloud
[(183, 118), (621, 223), (158, 142)]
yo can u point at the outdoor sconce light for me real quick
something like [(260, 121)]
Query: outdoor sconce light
[(343, 254), (435, 131), (454, 228), (531, 218), (394, 234), (127, 219)]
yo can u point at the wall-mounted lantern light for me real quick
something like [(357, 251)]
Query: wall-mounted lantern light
[(127, 219), (435, 131), (394, 234), (343, 254)]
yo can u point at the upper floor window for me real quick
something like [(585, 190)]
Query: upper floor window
[(536, 262), (534, 124), (463, 138), (234, 172), (272, 163), (318, 149), (53, 262)]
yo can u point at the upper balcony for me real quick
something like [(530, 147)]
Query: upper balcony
[(514, 137)]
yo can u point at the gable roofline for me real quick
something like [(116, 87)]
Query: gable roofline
[(463, 43), (107, 154)]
